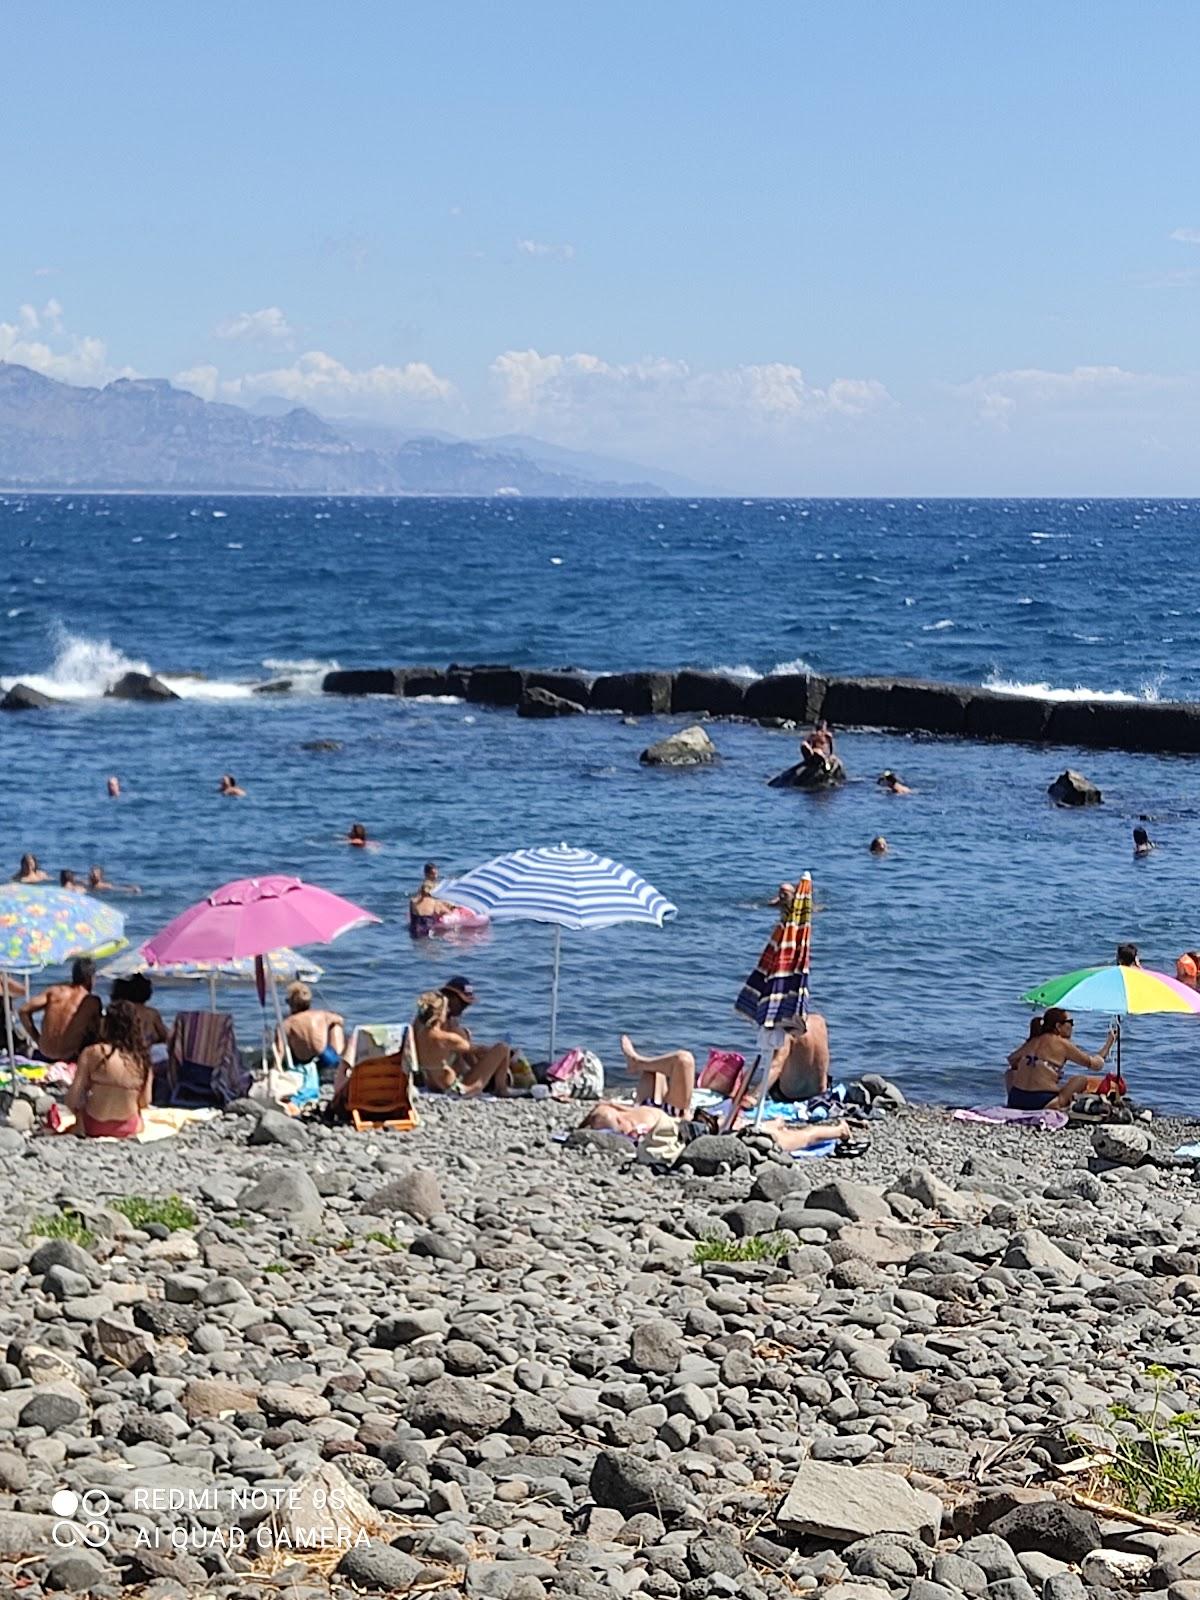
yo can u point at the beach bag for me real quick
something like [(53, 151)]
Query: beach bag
[(722, 1071), (579, 1075)]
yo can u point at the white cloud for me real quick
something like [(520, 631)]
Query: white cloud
[(1185, 235), (665, 393), (268, 326), (202, 380), (1001, 396), (72, 358), (320, 380), (552, 252)]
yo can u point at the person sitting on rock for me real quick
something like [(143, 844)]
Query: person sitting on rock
[(1034, 1079), (817, 750)]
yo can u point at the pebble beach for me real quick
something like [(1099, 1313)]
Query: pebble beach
[(474, 1361)]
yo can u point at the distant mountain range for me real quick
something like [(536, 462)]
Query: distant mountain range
[(143, 433)]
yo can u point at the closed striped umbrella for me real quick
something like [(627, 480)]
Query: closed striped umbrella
[(776, 992), (559, 885)]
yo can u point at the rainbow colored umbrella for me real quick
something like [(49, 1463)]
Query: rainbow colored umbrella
[(1118, 990), (42, 925)]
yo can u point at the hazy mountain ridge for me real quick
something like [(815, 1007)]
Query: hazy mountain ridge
[(143, 433)]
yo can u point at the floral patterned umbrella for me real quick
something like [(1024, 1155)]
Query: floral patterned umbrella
[(43, 926)]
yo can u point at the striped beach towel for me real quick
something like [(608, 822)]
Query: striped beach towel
[(203, 1065)]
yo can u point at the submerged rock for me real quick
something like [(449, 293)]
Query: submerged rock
[(690, 747), (811, 775), (140, 686), (542, 703), (22, 698), (1071, 788)]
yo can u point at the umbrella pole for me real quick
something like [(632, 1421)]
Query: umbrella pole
[(554, 991), (212, 991), (767, 1054), (287, 1049)]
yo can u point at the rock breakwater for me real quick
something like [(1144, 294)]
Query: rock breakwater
[(900, 705)]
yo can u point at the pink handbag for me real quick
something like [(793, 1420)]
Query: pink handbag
[(722, 1071)]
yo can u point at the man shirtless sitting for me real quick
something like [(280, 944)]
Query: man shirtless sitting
[(306, 1031), (800, 1066), (70, 1015)]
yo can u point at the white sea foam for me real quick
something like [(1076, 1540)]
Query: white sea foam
[(85, 669), (1046, 691), (939, 627)]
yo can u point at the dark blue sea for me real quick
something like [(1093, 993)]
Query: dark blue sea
[(918, 958)]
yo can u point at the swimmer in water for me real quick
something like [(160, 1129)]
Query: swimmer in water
[(357, 836), (114, 788), (1142, 842), (30, 872), (68, 880), (228, 786), (878, 845), (98, 884), (889, 781)]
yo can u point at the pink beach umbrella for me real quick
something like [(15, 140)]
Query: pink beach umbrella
[(251, 917)]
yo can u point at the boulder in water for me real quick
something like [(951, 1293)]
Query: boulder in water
[(1071, 788), (690, 747), (140, 686), (22, 698), (541, 703), (811, 775)]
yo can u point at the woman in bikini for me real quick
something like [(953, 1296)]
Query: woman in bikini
[(1034, 1079), (448, 1058), (111, 1087)]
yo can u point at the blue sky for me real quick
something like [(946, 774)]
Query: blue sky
[(846, 247)]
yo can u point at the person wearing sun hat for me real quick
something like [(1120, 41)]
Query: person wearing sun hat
[(483, 1066)]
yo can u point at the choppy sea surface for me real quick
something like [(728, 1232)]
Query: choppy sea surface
[(918, 958)]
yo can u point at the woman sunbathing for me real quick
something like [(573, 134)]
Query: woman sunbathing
[(639, 1122), (1034, 1079)]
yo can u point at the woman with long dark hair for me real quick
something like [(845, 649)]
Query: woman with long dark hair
[(112, 1082)]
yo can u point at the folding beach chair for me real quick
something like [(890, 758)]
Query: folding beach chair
[(379, 1089), (203, 1066)]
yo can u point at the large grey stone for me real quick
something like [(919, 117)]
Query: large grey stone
[(853, 1200), (416, 1192), (375, 1565), (852, 1502), (629, 1484), (1030, 1250), (655, 1347), (1126, 1146), (458, 1405), (1052, 1527), (286, 1193), (690, 747)]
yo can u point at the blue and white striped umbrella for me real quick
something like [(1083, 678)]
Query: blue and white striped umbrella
[(566, 887)]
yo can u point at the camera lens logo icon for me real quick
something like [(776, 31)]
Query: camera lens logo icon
[(83, 1517)]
